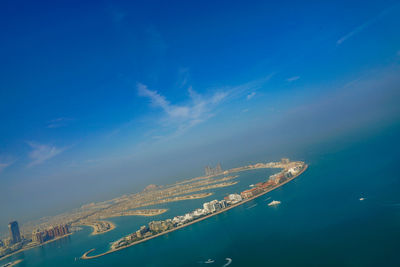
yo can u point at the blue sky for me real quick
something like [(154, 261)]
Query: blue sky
[(100, 98)]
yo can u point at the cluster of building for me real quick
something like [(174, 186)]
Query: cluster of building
[(160, 226), (156, 227), (213, 171), (208, 208), (101, 226), (16, 241), (273, 180), (50, 233), (13, 243)]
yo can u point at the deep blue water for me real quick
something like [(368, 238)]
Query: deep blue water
[(320, 221)]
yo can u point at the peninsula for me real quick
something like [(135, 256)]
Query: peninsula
[(141, 212), (99, 227), (290, 170)]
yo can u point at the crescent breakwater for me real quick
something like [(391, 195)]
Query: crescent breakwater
[(287, 167)]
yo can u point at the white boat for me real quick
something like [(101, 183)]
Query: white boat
[(252, 185), (361, 198), (274, 203), (209, 261)]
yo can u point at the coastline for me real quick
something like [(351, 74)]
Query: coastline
[(95, 227), (14, 263), (139, 213), (38, 245), (86, 254)]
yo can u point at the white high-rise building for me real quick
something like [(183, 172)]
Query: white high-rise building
[(207, 207)]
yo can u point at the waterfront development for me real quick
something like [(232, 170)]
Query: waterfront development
[(94, 214), (18, 243), (158, 228), (35, 234), (100, 227), (330, 188)]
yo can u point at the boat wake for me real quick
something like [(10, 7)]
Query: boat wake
[(252, 206), (228, 263), (267, 198)]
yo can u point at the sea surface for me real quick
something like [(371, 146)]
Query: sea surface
[(320, 222)]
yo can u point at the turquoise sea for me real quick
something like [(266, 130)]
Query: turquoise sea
[(320, 222)]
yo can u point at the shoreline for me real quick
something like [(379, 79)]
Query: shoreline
[(95, 228), (14, 263), (86, 254), (139, 212), (36, 246)]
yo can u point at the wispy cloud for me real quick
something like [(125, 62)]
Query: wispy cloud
[(5, 162), (41, 153), (292, 79), (183, 77), (184, 116), (246, 88), (251, 95), (197, 108), (59, 122), (363, 26), (4, 165)]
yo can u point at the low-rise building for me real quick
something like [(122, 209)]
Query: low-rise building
[(246, 194), (143, 229), (160, 226), (251, 192), (131, 237)]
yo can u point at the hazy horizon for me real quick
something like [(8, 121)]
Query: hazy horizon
[(111, 97)]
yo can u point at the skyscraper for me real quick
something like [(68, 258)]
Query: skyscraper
[(213, 171), (15, 235)]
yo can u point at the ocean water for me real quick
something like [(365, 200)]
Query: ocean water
[(320, 222)]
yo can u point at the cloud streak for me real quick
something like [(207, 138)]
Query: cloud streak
[(3, 166), (363, 26), (5, 162), (294, 78), (41, 153), (250, 96), (198, 109), (59, 122)]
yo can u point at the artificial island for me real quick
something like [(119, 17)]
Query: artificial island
[(96, 215), (289, 171)]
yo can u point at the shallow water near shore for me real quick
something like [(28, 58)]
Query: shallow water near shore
[(320, 220)]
